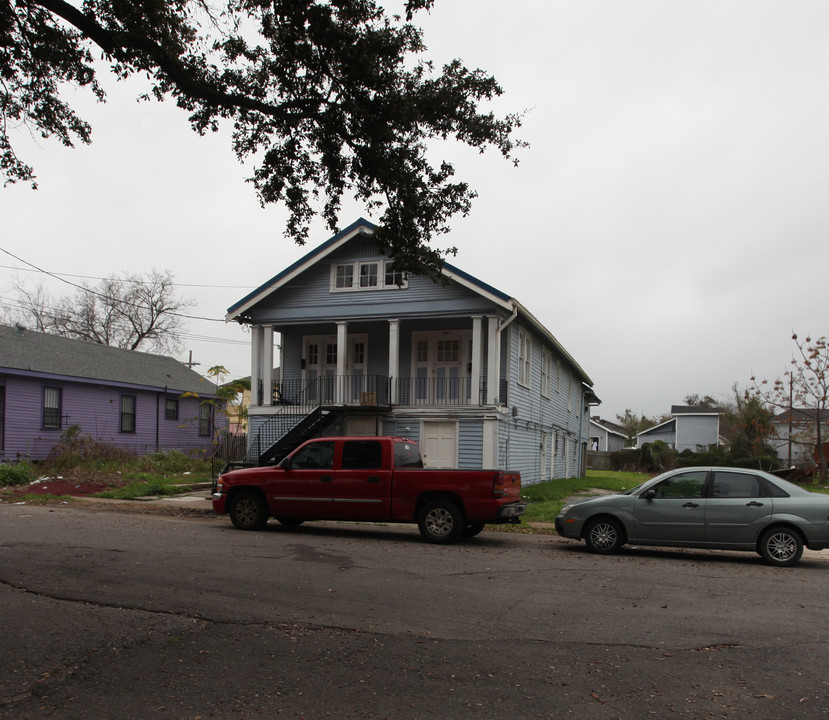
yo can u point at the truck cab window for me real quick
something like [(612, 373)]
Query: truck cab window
[(318, 455), (362, 455), (407, 454)]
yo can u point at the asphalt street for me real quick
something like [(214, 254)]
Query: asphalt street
[(112, 613)]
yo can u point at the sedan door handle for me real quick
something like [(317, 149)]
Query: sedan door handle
[(754, 503), (690, 505), (326, 478)]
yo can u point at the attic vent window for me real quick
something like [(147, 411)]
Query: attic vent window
[(367, 275)]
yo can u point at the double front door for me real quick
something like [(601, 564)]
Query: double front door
[(441, 363), (320, 355)]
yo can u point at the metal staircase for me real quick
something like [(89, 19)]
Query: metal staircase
[(287, 430)]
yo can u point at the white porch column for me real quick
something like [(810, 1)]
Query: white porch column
[(493, 365), (475, 373), (394, 359), (256, 338), (342, 355), (267, 365)]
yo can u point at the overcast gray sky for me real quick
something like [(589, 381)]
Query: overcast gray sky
[(667, 223)]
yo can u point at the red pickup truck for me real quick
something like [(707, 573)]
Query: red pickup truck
[(373, 479)]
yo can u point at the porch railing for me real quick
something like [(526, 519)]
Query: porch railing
[(379, 391)]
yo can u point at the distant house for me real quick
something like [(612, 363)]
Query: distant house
[(606, 436), (794, 436), (690, 428), (365, 349), (132, 400)]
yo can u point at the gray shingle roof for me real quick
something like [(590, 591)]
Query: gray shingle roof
[(34, 352)]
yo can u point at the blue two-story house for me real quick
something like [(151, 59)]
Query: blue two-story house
[(460, 367)]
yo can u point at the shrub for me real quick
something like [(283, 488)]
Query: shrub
[(17, 474), (169, 461), (75, 449)]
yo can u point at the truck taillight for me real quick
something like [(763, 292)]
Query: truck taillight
[(498, 487)]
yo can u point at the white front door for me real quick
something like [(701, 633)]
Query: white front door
[(440, 361), (439, 444), (355, 367), (320, 355)]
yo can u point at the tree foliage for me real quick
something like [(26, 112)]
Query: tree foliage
[(128, 311), (633, 423), (326, 97), (803, 394)]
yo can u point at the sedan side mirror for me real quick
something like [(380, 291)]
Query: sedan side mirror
[(649, 494)]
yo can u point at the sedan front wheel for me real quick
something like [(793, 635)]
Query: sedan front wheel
[(604, 536)]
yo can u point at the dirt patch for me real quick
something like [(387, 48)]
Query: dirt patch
[(61, 486)]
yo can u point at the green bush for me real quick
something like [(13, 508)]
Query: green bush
[(17, 474), (171, 461), (75, 449)]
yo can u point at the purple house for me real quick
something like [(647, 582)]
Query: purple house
[(131, 400)]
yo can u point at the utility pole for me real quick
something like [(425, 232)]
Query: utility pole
[(190, 363)]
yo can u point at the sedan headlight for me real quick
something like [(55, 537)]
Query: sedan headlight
[(566, 509)]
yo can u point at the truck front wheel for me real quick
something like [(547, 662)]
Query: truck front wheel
[(441, 521), (248, 511)]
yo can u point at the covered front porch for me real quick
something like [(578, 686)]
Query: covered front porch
[(395, 363)]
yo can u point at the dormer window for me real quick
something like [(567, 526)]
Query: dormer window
[(367, 275)]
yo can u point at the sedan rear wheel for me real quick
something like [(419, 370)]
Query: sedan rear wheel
[(781, 546), (604, 536)]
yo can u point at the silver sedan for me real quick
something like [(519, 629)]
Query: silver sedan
[(705, 507)]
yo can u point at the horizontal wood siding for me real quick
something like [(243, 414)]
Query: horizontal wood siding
[(696, 432), (309, 296), (536, 413), (96, 410), (470, 444)]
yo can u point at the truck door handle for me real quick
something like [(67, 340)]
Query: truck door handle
[(326, 478), (690, 505), (373, 479)]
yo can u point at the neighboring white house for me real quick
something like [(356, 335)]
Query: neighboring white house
[(794, 436), (362, 348), (690, 428), (606, 436)]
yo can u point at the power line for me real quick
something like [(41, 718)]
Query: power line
[(101, 295), (118, 280)]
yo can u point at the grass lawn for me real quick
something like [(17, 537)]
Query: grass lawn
[(546, 499)]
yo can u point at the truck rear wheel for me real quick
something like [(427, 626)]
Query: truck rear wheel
[(248, 511), (441, 521)]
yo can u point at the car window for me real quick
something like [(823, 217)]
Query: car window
[(683, 485), (362, 455), (735, 485), (406, 454), (318, 455)]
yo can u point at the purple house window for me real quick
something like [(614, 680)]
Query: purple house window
[(128, 413), (205, 420), (52, 400), (171, 409)]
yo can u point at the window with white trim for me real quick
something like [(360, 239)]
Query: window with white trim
[(546, 371), (367, 275), (343, 277), (394, 278), (52, 404), (525, 346), (127, 414)]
